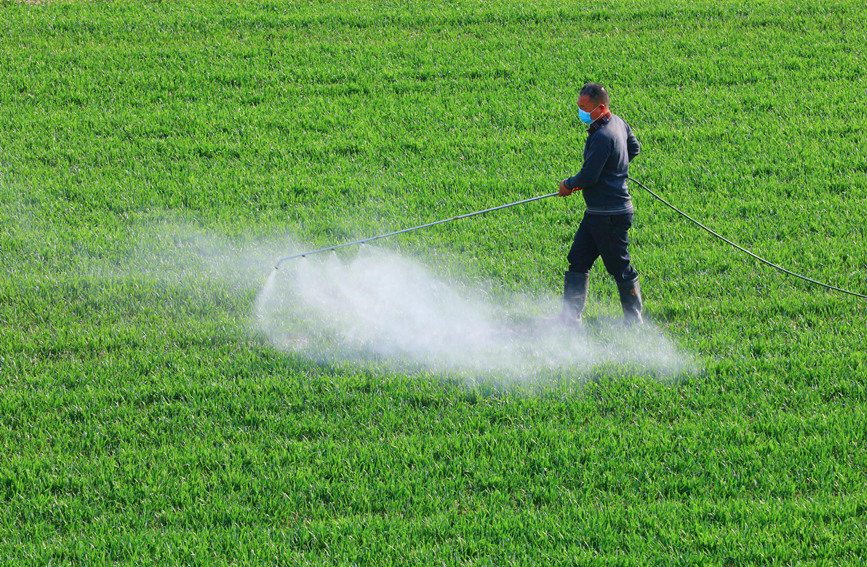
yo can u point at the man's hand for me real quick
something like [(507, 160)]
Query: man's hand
[(564, 191)]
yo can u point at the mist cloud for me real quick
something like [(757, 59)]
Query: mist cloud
[(385, 309)]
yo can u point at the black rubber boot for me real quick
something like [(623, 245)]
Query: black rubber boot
[(574, 298), (630, 300)]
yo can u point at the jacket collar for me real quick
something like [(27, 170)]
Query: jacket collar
[(600, 122)]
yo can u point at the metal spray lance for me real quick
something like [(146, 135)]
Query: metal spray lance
[(372, 238)]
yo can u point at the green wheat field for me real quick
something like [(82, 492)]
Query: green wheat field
[(156, 158)]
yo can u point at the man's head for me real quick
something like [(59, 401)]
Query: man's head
[(593, 98)]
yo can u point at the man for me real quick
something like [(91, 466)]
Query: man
[(609, 148)]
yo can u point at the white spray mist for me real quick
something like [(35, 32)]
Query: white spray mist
[(391, 311), (386, 309)]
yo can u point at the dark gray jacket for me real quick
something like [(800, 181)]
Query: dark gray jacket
[(609, 148)]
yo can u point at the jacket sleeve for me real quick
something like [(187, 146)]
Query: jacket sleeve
[(595, 156), (633, 148)]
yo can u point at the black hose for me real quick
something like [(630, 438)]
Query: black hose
[(759, 258)]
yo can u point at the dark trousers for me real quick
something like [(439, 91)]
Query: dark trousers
[(606, 236)]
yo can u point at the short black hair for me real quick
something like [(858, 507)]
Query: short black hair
[(595, 92)]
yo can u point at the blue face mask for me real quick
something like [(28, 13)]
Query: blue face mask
[(585, 116)]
